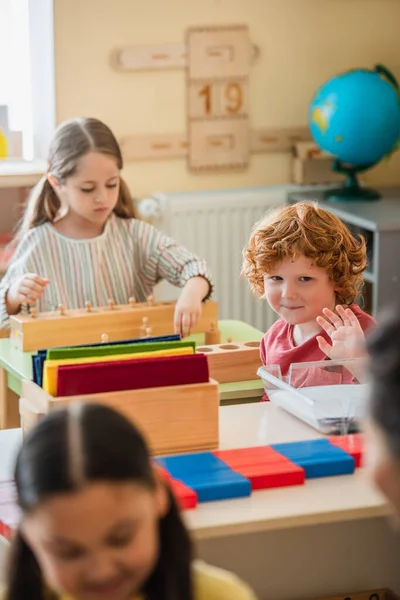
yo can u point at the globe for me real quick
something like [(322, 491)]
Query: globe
[(355, 117)]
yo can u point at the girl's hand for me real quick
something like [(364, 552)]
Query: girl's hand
[(344, 329), (27, 289), (189, 305)]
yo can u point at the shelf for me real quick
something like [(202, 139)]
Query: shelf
[(21, 173)]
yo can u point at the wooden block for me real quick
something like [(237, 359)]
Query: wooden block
[(277, 139), (157, 57), (218, 99), (306, 150), (216, 52), (149, 57), (175, 145), (173, 419), (233, 362), (314, 171), (219, 144), (213, 335), (79, 327), (154, 146)]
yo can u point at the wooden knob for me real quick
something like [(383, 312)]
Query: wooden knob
[(61, 309), (88, 306), (104, 338), (229, 340), (148, 331), (111, 304), (213, 335), (145, 321), (150, 300), (132, 302), (33, 312)]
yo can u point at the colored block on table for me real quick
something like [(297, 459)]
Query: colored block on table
[(109, 350), (353, 444), (39, 358), (207, 475), (50, 369), (263, 466), (162, 473), (319, 458), (141, 340), (186, 497), (132, 374)]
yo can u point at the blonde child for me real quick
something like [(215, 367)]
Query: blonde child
[(98, 522), (80, 240), (309, 267)]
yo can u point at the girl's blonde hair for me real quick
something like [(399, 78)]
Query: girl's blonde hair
[(72, 140), (306, 229)]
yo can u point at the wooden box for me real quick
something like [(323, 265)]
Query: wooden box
[(80, 326), (182, 418), (236, 361), (312, 166)]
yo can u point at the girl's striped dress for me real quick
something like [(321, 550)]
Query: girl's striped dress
[(126, 260)]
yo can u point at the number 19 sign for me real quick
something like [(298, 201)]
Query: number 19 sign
[(219, 60)]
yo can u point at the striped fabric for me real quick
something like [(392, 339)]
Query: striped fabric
[(127, 259)]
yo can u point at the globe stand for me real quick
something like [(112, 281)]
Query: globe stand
[(351, 191)]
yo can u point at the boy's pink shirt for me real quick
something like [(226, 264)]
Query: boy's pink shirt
[(277, 346)]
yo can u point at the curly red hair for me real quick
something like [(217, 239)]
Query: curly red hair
[(306, 229)]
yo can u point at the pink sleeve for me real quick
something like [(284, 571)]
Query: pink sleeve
[(365, 320)]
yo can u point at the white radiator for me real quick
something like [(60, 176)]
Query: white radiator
[(216, 226)]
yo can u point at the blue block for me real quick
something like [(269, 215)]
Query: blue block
[(221, 486), (318, 458), (207, 475), (191, 463)]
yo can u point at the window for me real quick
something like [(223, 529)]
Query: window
[(15, 82), (27, 73)]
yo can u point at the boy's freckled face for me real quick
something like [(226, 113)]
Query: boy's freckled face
[(297, 290)]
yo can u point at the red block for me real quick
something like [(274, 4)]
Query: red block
[(162, 473), (96, 378), (353, 444), (187, 498), (263, 466)]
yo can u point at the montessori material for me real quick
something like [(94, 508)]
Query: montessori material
[(134, 374), (91, 325), (219, 475), (234, 361), (177, 418), (39, 358), (225, 474), (52, 368)]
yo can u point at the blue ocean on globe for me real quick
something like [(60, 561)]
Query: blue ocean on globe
[(356, 116)]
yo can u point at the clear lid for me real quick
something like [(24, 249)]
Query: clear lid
[(326, 394)]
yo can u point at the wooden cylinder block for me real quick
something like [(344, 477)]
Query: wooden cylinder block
[(238, 361)]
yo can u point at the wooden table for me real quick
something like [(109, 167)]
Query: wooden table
[(329, 536), (16, 366)]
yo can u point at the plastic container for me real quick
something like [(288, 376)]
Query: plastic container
[(326, 394)]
